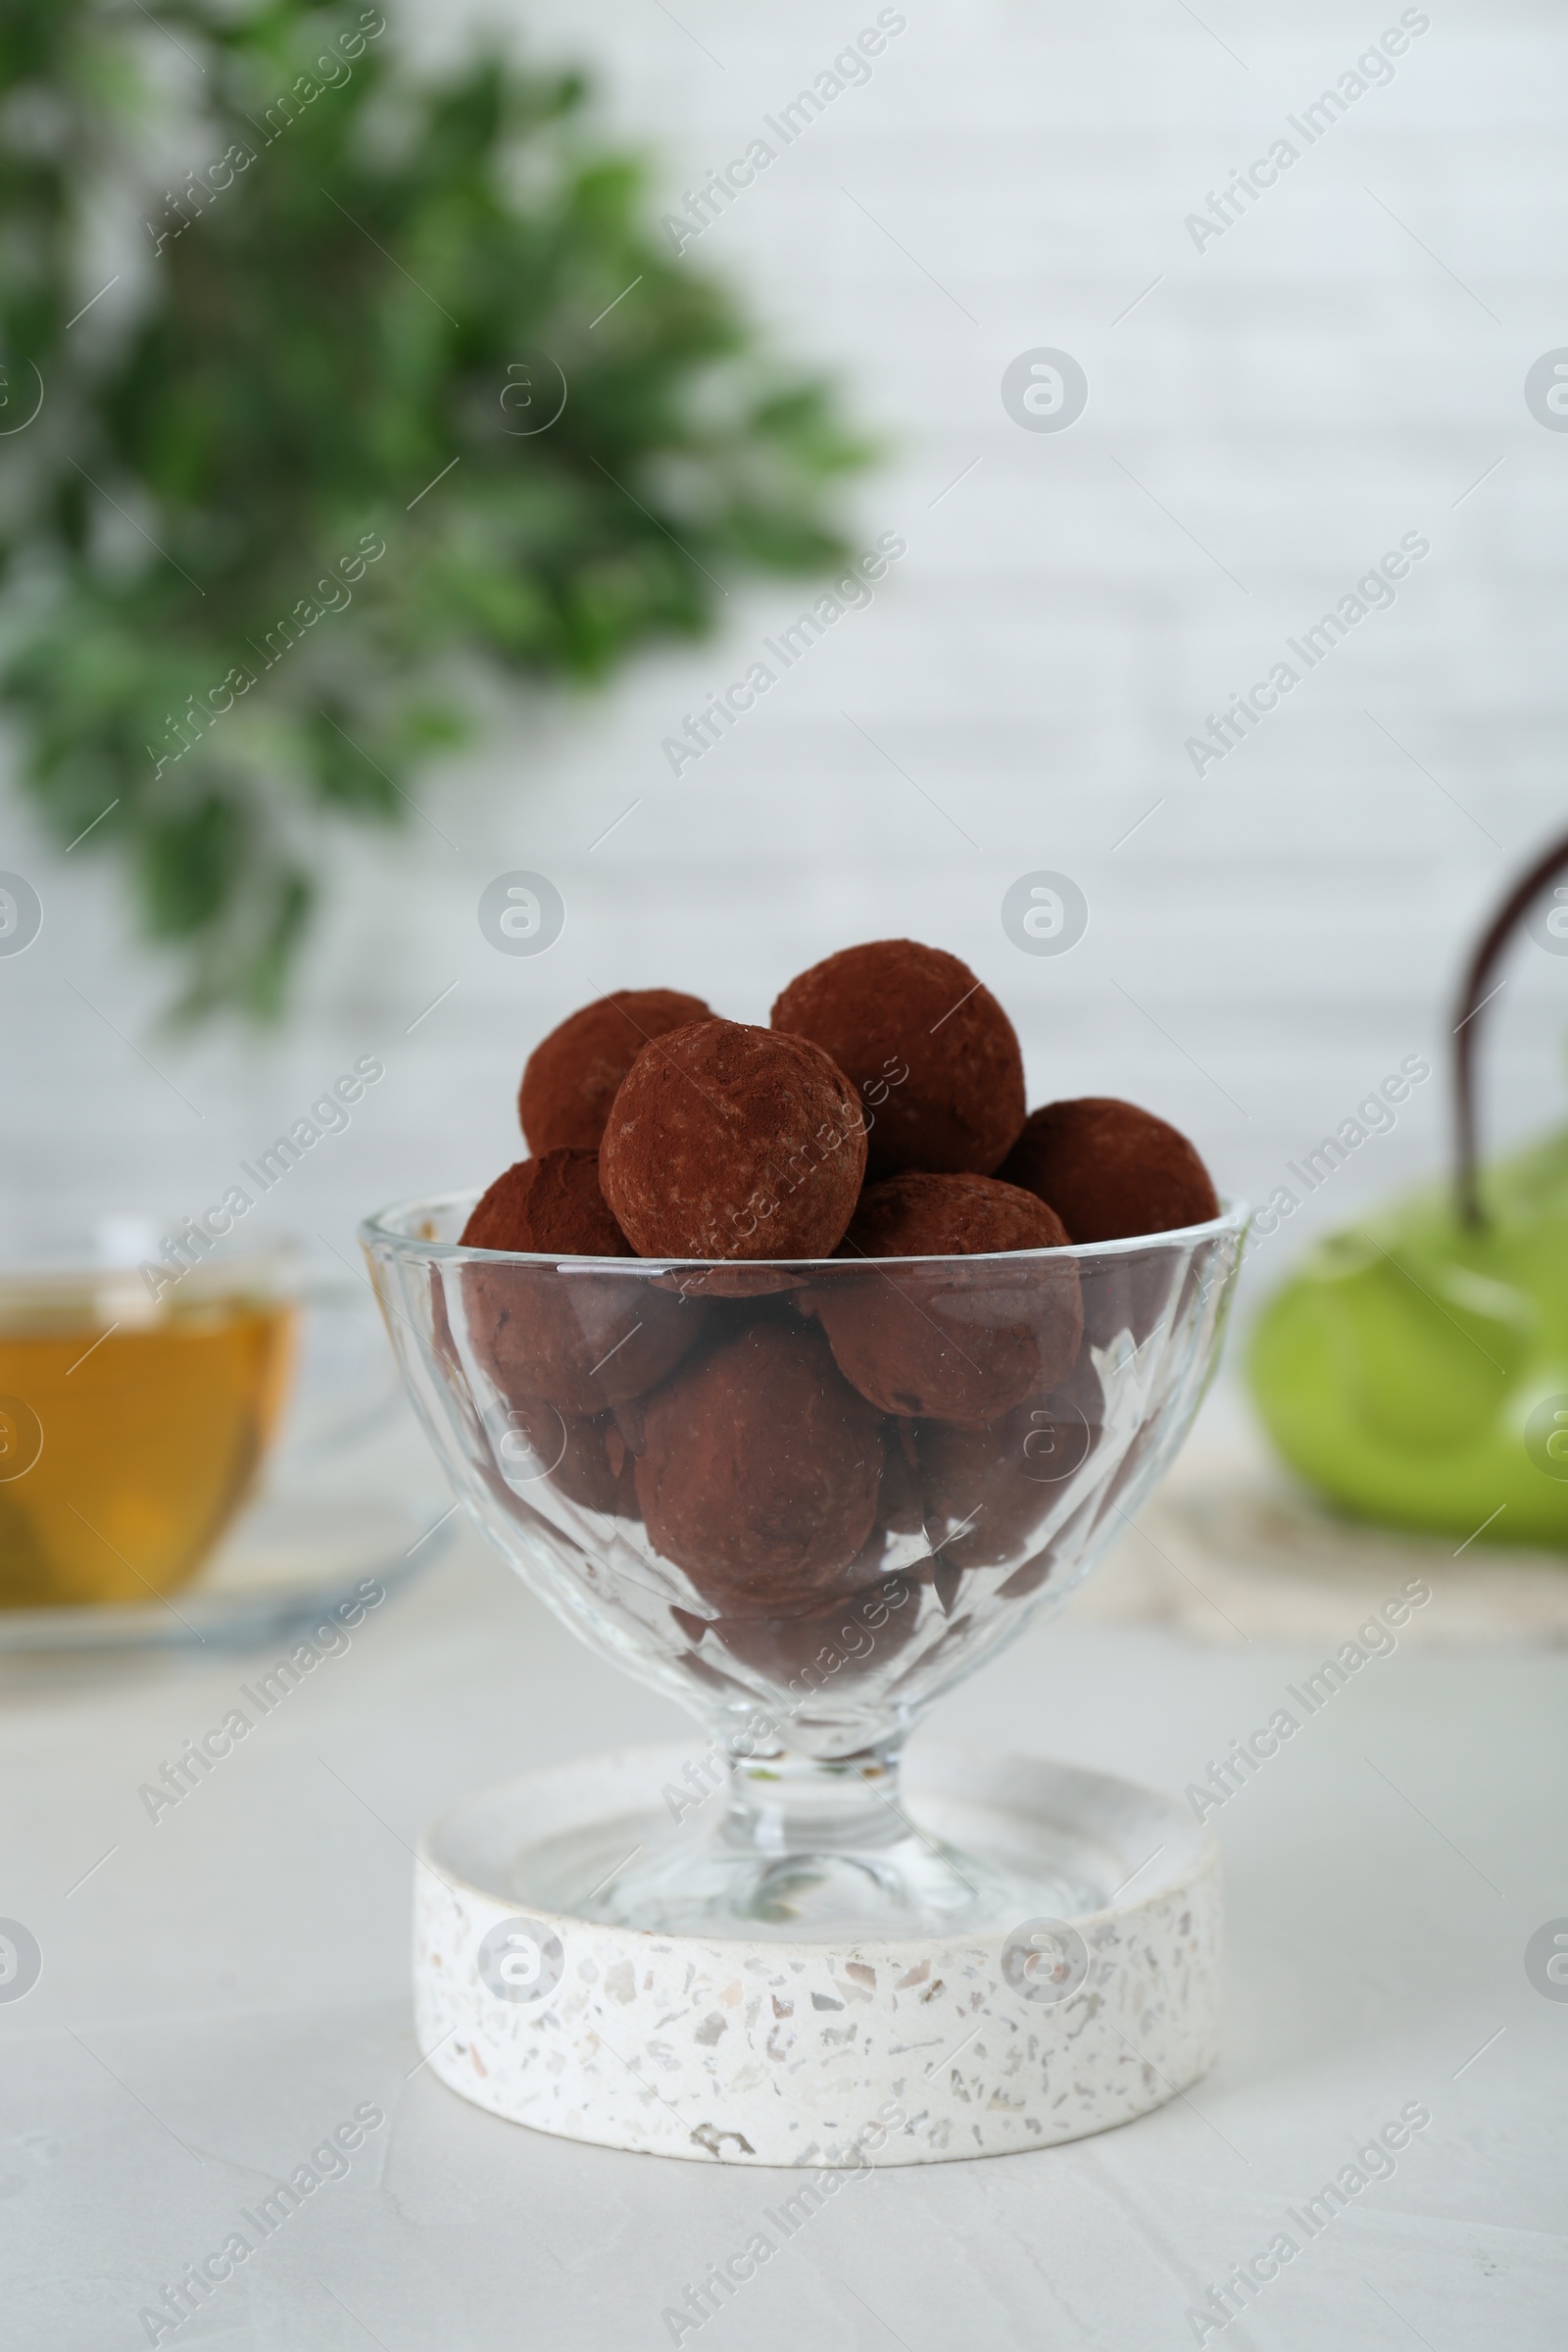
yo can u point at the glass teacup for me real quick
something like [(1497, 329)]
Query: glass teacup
[(134, 1418)]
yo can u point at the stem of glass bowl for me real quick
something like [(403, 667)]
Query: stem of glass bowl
[(811, 1843), (787, 1804)]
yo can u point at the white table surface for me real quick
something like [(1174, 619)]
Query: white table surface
[(232, 1982)]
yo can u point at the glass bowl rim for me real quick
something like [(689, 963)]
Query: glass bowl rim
[(378, 1231)]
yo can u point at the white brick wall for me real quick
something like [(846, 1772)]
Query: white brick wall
[(1301, 392)]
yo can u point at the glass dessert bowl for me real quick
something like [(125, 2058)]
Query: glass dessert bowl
[(801, 1498)]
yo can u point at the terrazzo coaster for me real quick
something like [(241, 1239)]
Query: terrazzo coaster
[(1017, 2034)]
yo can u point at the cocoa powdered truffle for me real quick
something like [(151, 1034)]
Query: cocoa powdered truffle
[(582, 1339), (930, 1051), (955, 1343), (1109, 1169), (830, 1648), (759, 1471), (987, 1493), (573, 1075), (594, 1468), (551, 1203), (731, 1142), (919, 1216)]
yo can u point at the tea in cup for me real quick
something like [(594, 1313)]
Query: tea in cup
[(132, 1428)]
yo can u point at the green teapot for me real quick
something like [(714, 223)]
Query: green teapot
[(1414, 1370)]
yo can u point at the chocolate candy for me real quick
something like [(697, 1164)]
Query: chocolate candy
[(584, 1342), (731, 1142), (578, 1343), (573, 1075), (987, 1491), (596, 1468), (550, 1205), (918, 1215), (1109, 1169), (928, 1048), (759, 1471), (830, 1648), (781, 1450), (952, 1344)]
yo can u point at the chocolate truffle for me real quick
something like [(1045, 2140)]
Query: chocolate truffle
[(582, 1339), (955, 1342), (730, 1142), (918, 1215), (1109, 1169), (587, 1461), (832, 1648), (988, 1492), (596, 1468), (930, 1051), (980, 1510), (760, 1470), (573, 1075), (551, 1203)]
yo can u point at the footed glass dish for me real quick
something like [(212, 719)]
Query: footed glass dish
[(803, 1499)]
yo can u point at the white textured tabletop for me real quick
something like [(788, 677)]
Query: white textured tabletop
[(228, 1987)]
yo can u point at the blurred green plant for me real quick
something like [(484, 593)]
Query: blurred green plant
[(340, 328)]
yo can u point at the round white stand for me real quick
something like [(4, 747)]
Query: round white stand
[(776, 2052)]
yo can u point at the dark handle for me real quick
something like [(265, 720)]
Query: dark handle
[(1471, 1000)]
